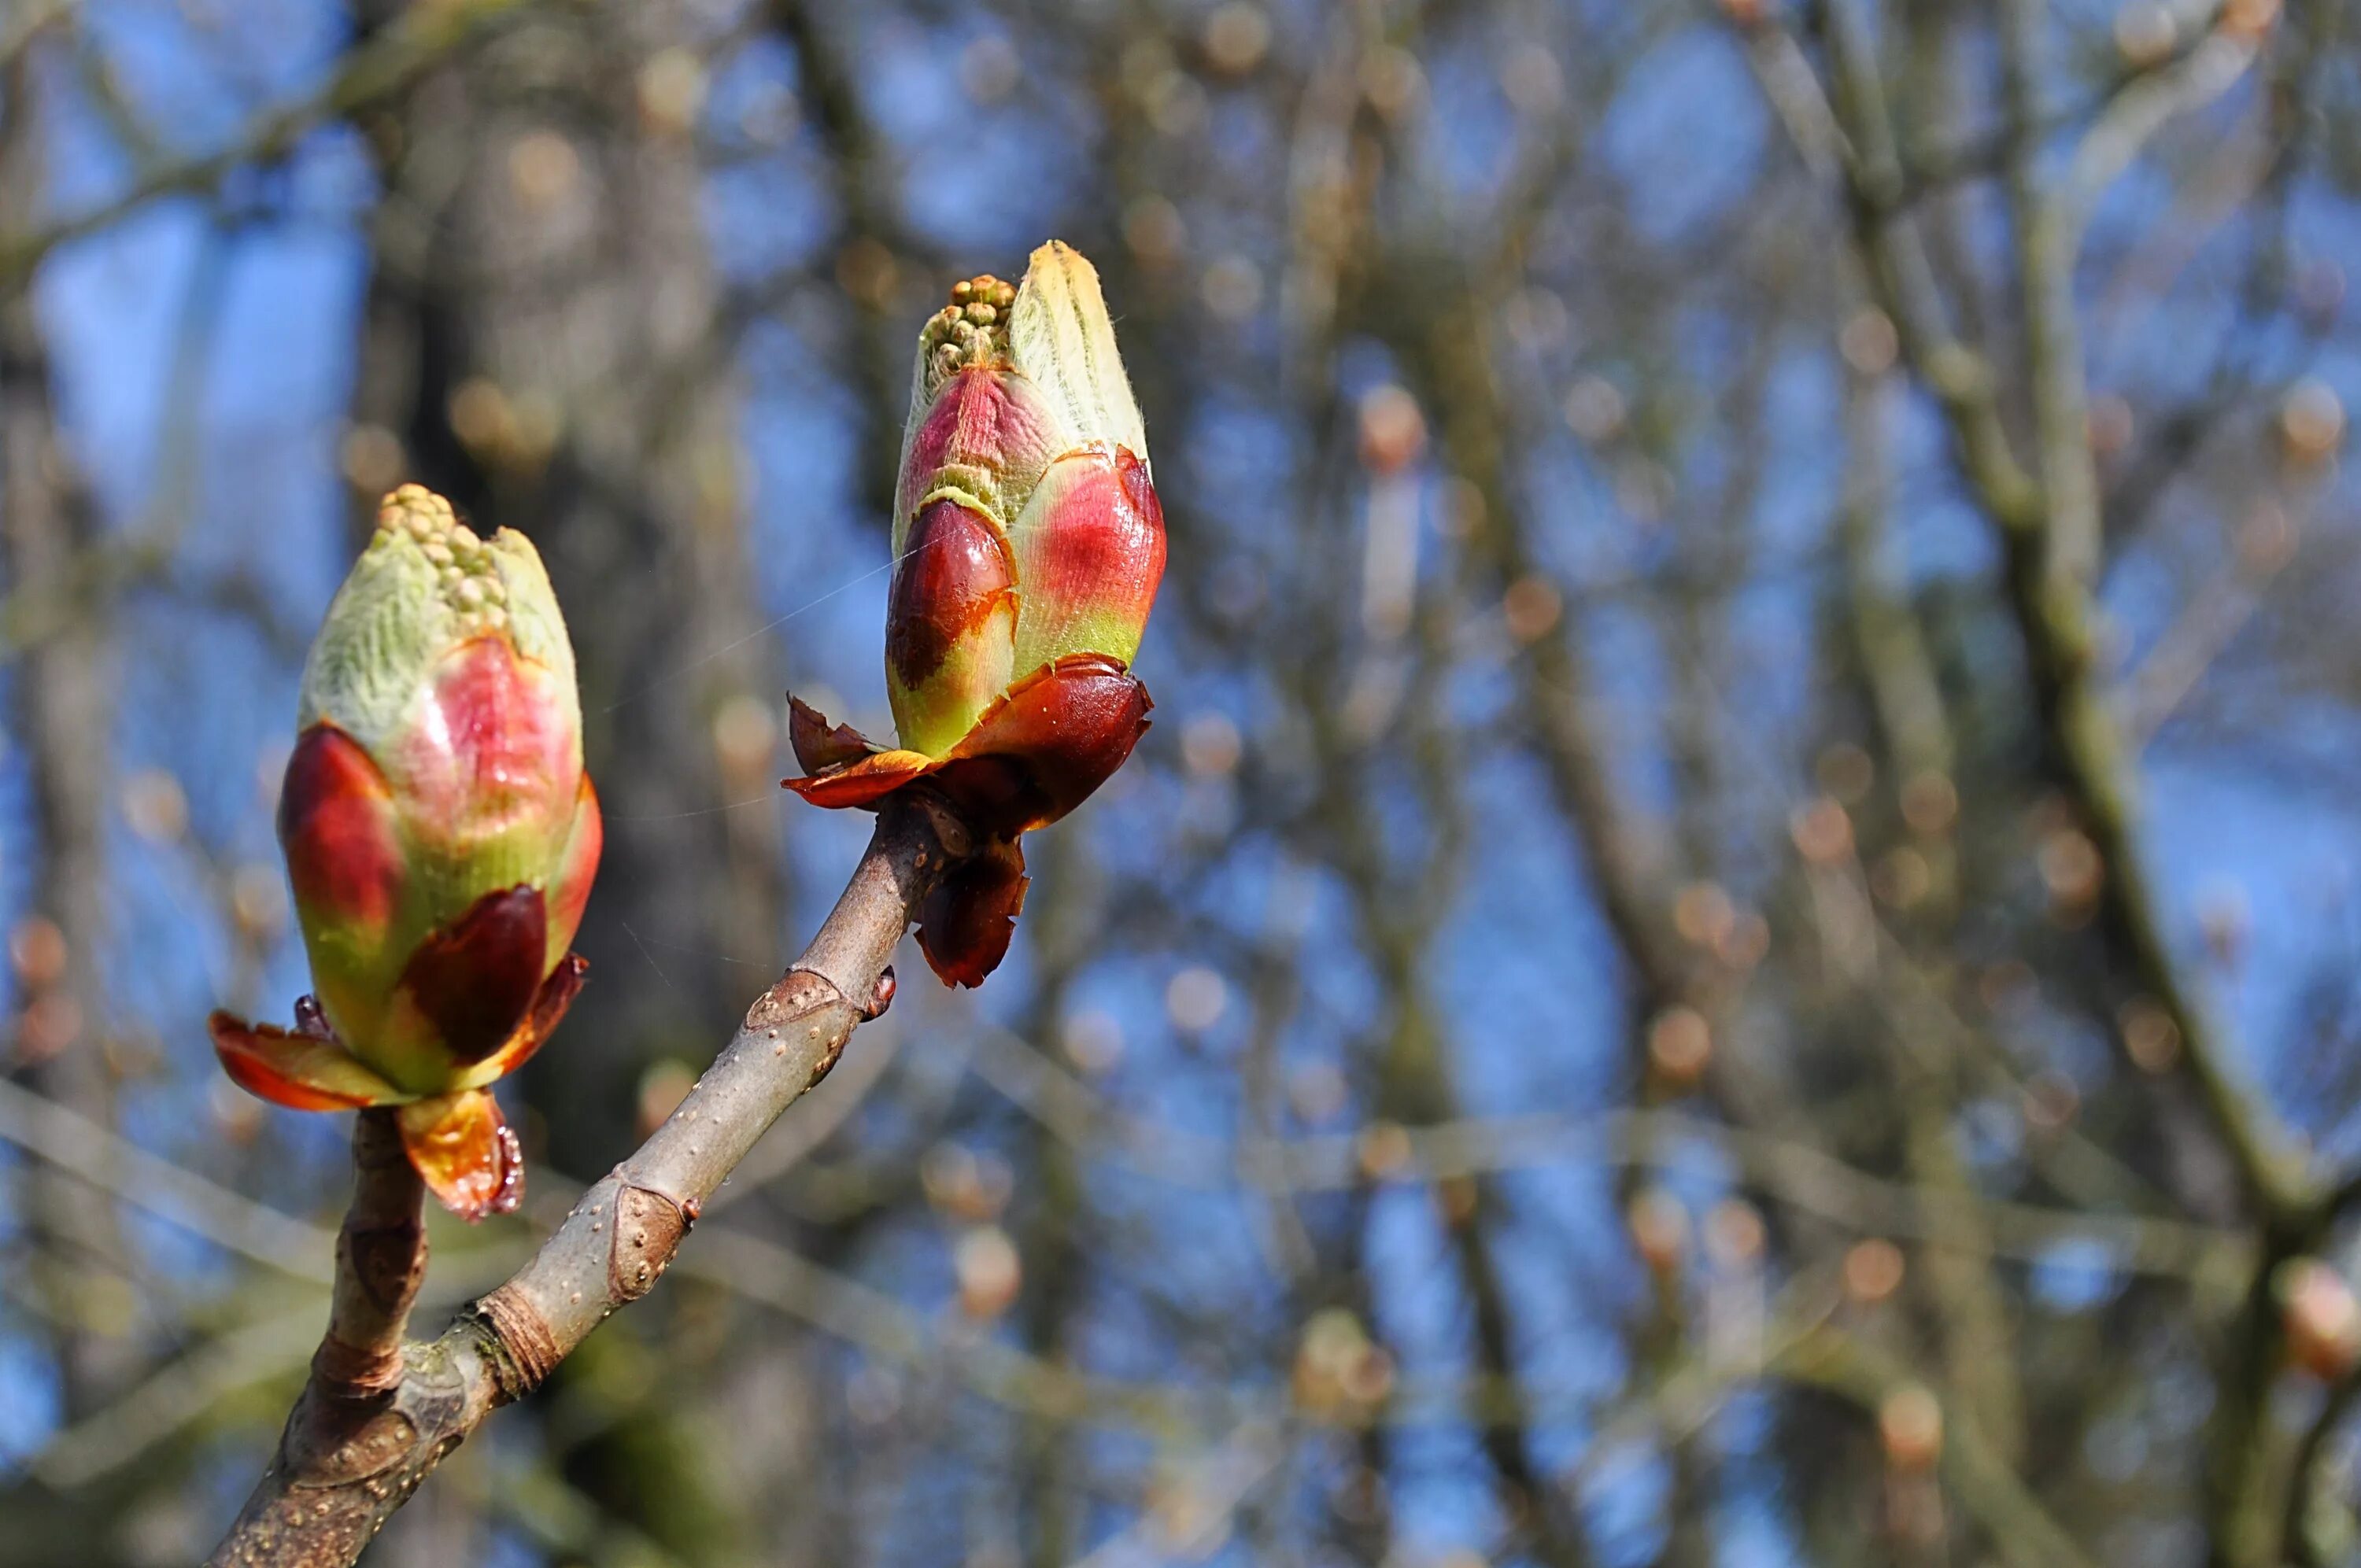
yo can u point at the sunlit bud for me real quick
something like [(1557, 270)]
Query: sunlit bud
[(1028, 544), (2070, 866), (38, 951), (1340, 1371), (1237, 34), (1533, 80), (1393, 80), (2320, 1316), (1025, 525), (745, 728), (1211, 745), (1532, 607), (441, 836), (671, 91), (1596, 409), (1735, 1235), (370, 456), (1930, 802), (1383, 1150), (2311, 421), (965, 1184), (989, 1270), (1867, 341), (2144, 33), (50, 1023), (1873, 1271), (1196, 998), (1703, 913), (1745, 943), (1910, 1427), (2051, 1101), (1093, 1041), (544, 169), (154, 806), (1680, 1044), (1822, 831), (258, 900), (2150, 1037), (1658, 1224), (1393, 430), (2248, 19)]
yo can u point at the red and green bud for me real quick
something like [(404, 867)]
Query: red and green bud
[(1028, 544), (1090, 549), (441, 836), (950, 625)]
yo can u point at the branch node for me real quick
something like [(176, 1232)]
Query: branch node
[(355, 1374), (951, 832), (350, 1455), (335, 1443), (648, 1228), (880, 995), (800, 994), (525, 1351)]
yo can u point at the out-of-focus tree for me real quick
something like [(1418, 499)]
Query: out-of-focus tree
[(1733, 943)]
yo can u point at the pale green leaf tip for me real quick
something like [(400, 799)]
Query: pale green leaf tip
[(1063, 339)]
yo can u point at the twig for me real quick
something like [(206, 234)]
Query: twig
[(1196, 1518), (178, 1394), (1799, 1175), (199, 1384), (1686, 1396), (380, 1264), (2295, 1535), (378, 1415), (2020, 1526), (75, 1144), (424, 35), (2049, 239), (1961, 379), (27, 24), (2208, 624), (2144, 106), (2048, 532), (775, 1277)]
